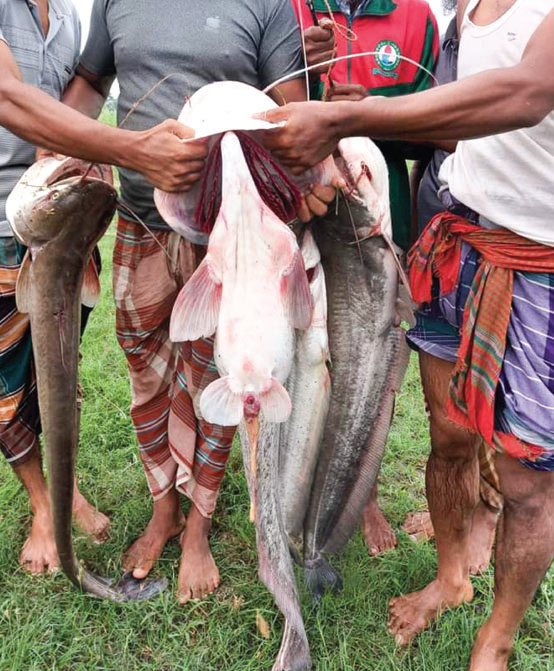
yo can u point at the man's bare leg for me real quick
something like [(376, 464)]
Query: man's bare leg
[(88, 518), (452, 493), (481, 539), (378, 534), (167, 522), (524, 551), (198, 573), (39, 552), (420, 527)]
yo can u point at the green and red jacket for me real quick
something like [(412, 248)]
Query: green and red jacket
[(391, 29)]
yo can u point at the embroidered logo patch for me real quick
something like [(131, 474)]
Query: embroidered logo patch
[(387, 56)]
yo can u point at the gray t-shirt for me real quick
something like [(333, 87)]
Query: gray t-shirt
[(204, 41), (47, 63)]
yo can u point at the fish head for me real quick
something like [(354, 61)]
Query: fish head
[(365, 172), (53, 191)]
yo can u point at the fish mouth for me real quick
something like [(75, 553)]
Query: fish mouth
[(72, 170)]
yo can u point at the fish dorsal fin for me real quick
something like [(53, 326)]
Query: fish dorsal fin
[(23, 285), (90, 292), (275, 402), (196, 310), (221, 404)]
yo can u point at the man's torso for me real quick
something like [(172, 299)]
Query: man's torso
[(47, 63), (192, 43), (505, 177), (393, 31)]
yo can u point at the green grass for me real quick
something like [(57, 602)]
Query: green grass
[(46, 625)]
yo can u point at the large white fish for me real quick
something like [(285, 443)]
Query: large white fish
[(252, 290)]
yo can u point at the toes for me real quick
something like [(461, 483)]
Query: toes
[(140, 572), (184, 596), (198, 591)]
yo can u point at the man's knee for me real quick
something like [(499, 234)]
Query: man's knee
[(450, 442), (526, 491)]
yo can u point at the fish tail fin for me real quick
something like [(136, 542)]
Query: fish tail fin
[(296, 289), (196, 309), (221, 404), (90, 292), (320, 577), (275, 403)]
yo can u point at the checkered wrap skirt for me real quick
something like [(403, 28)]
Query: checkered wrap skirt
[(176, 448)]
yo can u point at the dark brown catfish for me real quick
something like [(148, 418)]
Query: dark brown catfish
[(59, 210), (367, 351)]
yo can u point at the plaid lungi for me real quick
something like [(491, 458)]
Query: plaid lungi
[(176, 448), (525, 395), (19, 411)]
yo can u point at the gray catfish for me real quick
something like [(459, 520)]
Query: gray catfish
[(368, 354), (275, 563), (59, 210), (309, 387)]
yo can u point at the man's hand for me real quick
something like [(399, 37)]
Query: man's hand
[(346, 92), (308, 136), (162, 156), (314, 204), (320, 45)]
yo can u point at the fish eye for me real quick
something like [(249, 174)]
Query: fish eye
[(55, 195)]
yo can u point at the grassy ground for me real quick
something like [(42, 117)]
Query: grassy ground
[(45, 624)]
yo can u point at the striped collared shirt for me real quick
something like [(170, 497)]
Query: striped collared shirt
[(47, 62)]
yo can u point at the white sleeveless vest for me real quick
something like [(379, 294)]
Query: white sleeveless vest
[(507, 178)]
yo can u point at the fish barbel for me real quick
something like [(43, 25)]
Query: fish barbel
[(59, 210)]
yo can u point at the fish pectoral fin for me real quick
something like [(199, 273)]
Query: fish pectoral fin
[(23, 286), (196, 310), (220, 404), (275, 403), (90, 293), (296, 290)]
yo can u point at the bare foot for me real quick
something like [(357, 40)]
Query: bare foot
[(490, 652), (419, 526), (481, 538), (411, 614), (166, 523), (39, 552), (198, 573), (90, 520), (378, 534)]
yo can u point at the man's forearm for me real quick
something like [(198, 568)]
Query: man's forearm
[(83, 97), (492, 102), (44, 122)]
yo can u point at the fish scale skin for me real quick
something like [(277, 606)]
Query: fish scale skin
[(361, 295)]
